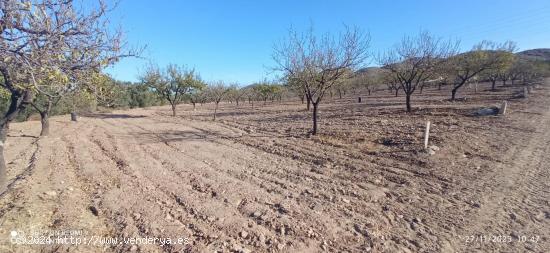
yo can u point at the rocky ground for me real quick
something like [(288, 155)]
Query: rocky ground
[(254, 181)]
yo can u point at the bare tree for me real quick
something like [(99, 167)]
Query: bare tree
[(295, 85), (319, 62), (369, 79), (484, 56), (216, 92), (414, 60), (237, 93)]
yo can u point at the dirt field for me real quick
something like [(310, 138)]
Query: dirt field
[(253, 181)]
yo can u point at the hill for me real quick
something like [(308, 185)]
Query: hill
[(539, 54)]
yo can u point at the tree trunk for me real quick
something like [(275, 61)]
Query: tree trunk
[(453, 93), (396, 92), (3, 168), (302, 99), (194, 106), (308, 105), (45, 119), (73, 112), (369, 91), (174, 110), (315, 108), (455, 89), (421, 88), (18, 102), (503, 82), (216, 110), (339, 93), (493, 85), (408, 102), (237, 101)]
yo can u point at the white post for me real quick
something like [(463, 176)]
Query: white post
[(503, 108), (427, 135)]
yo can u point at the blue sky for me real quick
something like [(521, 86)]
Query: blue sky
[(233, 40)]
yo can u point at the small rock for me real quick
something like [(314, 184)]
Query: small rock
[(431, 152), (347, 201), (134, 248), (256, 214), (486, 111), (324, 245), (70, 188), (94, 210), (434, 148), (280, 246), (310, 233), (244, 234), (282, 230), (540, 216), (51, 193), (261, 238)]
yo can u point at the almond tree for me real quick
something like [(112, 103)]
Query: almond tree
[(319, 62), (216, 92), (521, 69), (198, 95), (49, 37), (240, 93), (415, 60), (172, 84), (494, 74), (485, 56), (236, 93), (299, 89)]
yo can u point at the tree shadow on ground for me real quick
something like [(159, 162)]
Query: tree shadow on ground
[(111, 116), (22, 136)]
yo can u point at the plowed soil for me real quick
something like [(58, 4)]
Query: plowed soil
[(255, 181)]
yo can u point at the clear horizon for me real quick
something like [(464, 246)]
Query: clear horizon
[(232, 41)]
